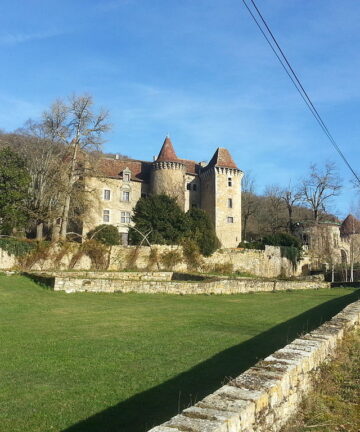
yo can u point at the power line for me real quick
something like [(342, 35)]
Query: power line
[(296, 81)]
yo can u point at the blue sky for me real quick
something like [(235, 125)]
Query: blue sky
[(198, 70)]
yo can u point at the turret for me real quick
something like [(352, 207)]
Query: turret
[(221, 196), (168, 174)]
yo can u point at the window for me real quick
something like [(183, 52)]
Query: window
[(125, 217), (230, 219), (194, 187), (107, 194), (188, 186), (229, 181), (230, 203), (127, 177), (126, 196), (106, 216)]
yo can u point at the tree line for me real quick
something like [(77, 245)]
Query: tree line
[(280, 209), (43, 165)]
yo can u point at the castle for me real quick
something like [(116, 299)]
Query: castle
[(331, 243), (214, 187)]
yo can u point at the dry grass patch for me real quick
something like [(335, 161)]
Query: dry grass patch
[(335, 404)]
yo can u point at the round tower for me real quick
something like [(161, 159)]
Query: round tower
[(168, 174)]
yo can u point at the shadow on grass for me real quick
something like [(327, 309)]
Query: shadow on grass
[(156, 405)]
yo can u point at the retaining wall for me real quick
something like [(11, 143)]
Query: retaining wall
[(262, 263), (222, 286), (263, 398)]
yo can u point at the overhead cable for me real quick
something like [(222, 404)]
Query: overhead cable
[(295, 80)]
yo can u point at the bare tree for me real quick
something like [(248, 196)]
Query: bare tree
[(319, 187), (74, 125), (290, 195), (275, 208), (249, 201)]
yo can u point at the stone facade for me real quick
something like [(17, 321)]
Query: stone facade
[(330, 243), (263, 398), (214, 187)]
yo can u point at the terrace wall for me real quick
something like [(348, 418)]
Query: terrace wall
[(262, 263), (161, 285), (264, 397)]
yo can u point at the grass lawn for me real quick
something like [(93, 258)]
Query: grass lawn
[(125, 362)]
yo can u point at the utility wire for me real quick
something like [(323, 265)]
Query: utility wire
[(295, 80)]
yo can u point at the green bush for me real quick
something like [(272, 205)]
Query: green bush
[(202, 231), (105, 234), (162, 217), (282, 239), (290, 246), (17, 247)]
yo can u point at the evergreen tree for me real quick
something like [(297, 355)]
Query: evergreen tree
[(14, 182), (202, 231), (160, 216)]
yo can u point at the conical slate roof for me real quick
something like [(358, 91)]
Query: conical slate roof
[(222, 158), (167, 152), (350, 225)]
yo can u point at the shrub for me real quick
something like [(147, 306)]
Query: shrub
[(17, 247), (170, 258), (97, 252), (282, 239), (225, 268), (191, 254), (105, 234), (290, 246), (153, 258), (202, 231), (132, 258), (39, 253)]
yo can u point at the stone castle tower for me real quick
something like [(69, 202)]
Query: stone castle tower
[(168, 174), (214, 187), (221, 196)]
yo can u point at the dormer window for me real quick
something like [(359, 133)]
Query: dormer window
[(126, 175)]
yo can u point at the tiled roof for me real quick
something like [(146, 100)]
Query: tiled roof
[(167, 152), (222, 158), (140, 170), (350, 225), (191, 166)]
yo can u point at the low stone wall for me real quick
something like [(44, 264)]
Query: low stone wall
[(263, 398), (222, 286), (124, 276)]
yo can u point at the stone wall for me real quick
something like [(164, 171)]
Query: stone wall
[(264, 397), (262, 263), (7, 261), (142, 283)]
